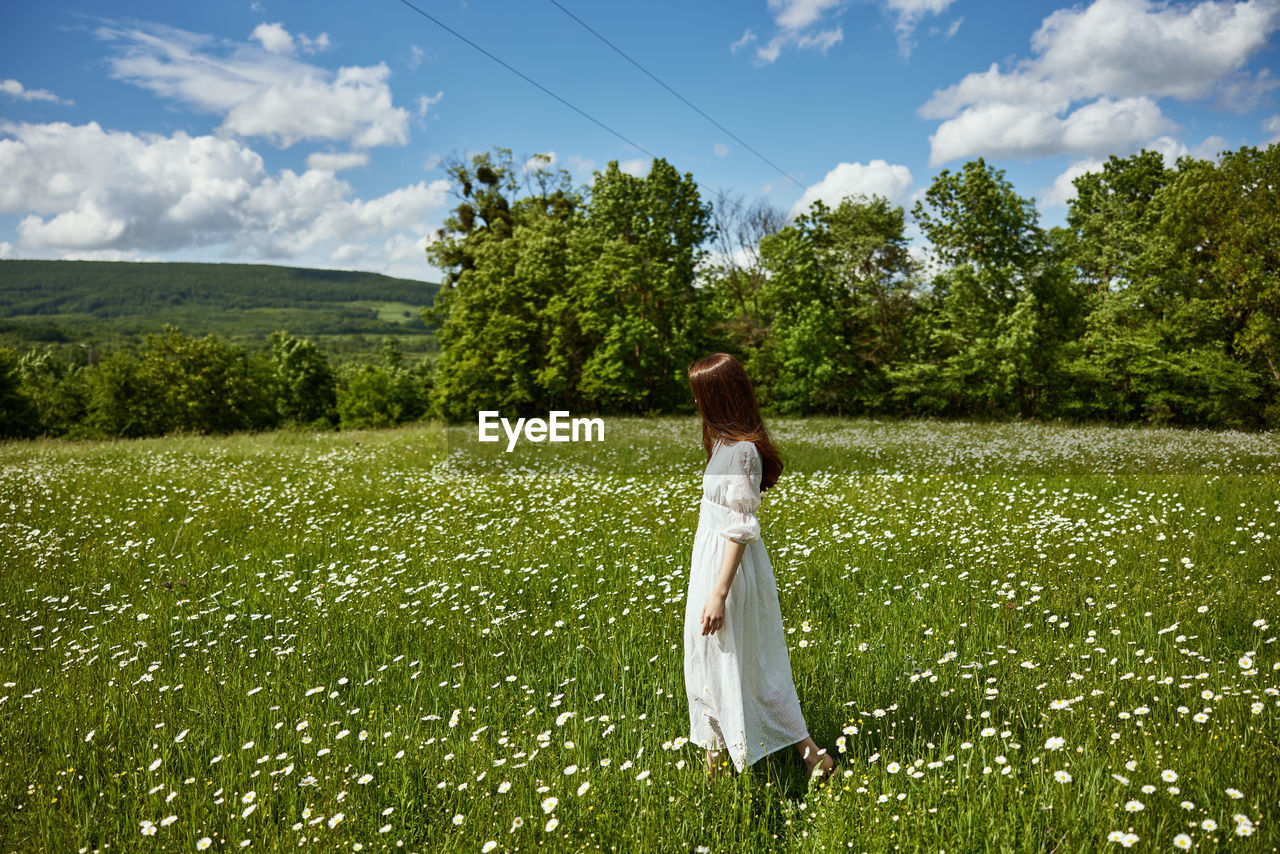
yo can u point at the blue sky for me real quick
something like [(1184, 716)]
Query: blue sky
[(311, 133)]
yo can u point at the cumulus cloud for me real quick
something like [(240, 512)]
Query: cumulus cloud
[(1118, 57), (909, 13), (801, 24), (1272, 126), (87, 190), (259, 92), (891, 180), (637, 166), (276, 39), (14, 89), (326, 161), (545, 160), (1008, 130), (273, 37), (1063, 189)]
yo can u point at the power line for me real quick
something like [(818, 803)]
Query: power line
[(687, 102), (529, 79)]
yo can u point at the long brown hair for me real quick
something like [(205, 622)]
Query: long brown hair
[(726, 400)]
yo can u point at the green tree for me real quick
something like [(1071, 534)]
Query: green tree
[(209, 384), (125, 400), (642, 319), (997, 301), (57, 391), (835, 300), (501, 309), (304, 381), (18, 418)]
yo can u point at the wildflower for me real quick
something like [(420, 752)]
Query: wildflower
[(1182, 841), (1169, 775), (550, 804), (552, 824), (1055, 743), (148, 829), (582, 790), (1133, 806), (459, 819), (365, 779), (1209, 825), (203, 843), (489, 846), (1062, 776), (1235, 794)]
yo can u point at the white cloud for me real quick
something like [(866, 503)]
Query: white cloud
[(14, 89), (721, 149), (747, 38), (259, 93), (276, 39), (1009, 130), (326, 161), (86, 190), (909, 13), (1272, 126), (425, 103), (416, 55), (637, 166), (1120, 56), (273, 37), (6, 249), (800, 24), (544, 160), (580, 165), (891, 180), (1063, 190)]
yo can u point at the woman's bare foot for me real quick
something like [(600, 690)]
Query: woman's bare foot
[(817, 762)]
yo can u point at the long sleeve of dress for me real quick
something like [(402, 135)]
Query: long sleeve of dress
[(742, 493)]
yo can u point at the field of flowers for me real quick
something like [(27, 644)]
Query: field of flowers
[(1015, 638)]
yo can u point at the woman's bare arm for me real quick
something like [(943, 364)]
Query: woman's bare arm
[(713, 610)]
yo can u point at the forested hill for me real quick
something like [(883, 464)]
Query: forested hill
[(108, 303)]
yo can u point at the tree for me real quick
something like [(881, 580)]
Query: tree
[(736, 275), (125, 401), (834, 301), (641, 317), (210, 385), (304, 382), (996, 299), (18, 417), (501, 309)]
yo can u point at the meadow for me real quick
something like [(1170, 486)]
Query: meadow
[(1013, 637)]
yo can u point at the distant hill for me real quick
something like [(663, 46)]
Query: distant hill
[(109, 304)]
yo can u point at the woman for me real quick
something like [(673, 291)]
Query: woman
[(737, 673)]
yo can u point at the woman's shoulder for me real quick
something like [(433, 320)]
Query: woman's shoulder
[(744, 448)]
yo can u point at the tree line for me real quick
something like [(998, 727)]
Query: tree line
[(178, 383), (1157, 302)]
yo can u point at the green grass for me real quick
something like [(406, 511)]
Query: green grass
[(408, 621)]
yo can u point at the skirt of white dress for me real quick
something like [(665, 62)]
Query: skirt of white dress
[(741, 695)]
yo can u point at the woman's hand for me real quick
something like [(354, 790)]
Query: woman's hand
[(713, 614)]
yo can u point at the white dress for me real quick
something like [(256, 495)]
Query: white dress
[(738, 680)]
